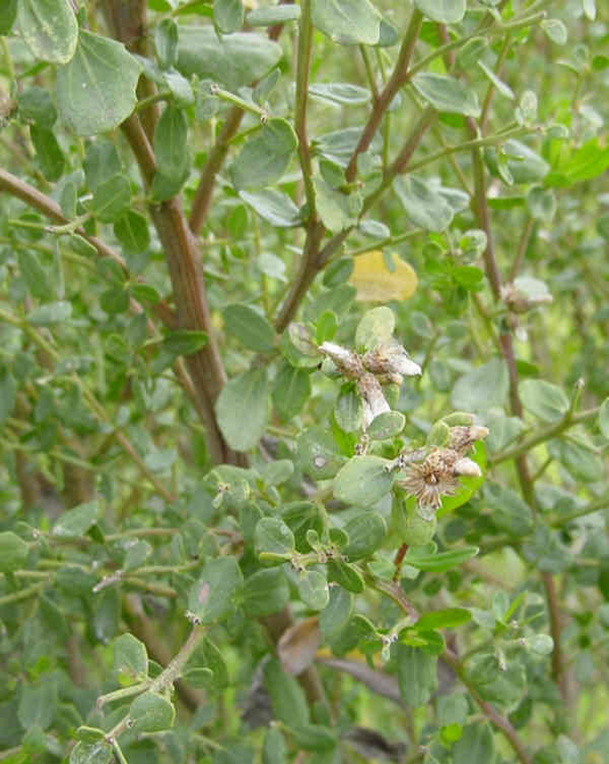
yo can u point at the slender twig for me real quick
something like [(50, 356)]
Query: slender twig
[(589, 509), (397, 79), (542, 435), (23, 594), (522, 248), (500, 722), (558, 674), (303, 66), (167, 677)]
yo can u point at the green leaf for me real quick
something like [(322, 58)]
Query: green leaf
[(166, 43), (349, 411), (291, 390), (313, 589), (364, 480), (48, 152), (508, 511), (444, 11), (447, 94), (92, 753), (76, 522), (314, 737), (265, 157), (233, 60), (448, 618), (603, 418), (300, 517), (101, 163), (347, 22), (500, 86), (34, 274), (424, 206), (212, 597), (336, 209), (287, 696), (137, 554), (48, 28), (584, 163), (52, 313), (111, 199), (213, 660), (114, 301), (343, 93), (273, 206), (38, 704), (13, 552), (242, 409), (442, 561), (539, 644), (8, 14), (273, 539), (132, 232), (36, 105), (335, 616), (345, 575), (318, 453), (274, 749), (130, 661), (578, 458), (96, 90), (544, 400), (386, 425), (483, 388), (265, 592), (152, 712), (475, 746), (542, 204), (228, 15), (555, 30), (249, 327), (523, 164), (417, 675), (170, 143), (366, 532), (374, 328), (90, 734), (273, 14)]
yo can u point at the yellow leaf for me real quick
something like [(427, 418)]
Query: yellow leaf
[(375, 283)]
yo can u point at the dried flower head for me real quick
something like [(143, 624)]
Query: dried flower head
[(371, 391), (347, 362), (433, 478), (462, 438), (391, 362)]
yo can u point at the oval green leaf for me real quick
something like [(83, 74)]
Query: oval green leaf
[(96, 90)]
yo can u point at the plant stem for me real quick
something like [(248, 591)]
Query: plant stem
[(397, 79), (543, 434), (500, 722), (167, 677)]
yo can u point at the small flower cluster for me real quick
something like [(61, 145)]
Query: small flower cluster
[(387, 364), (437, 473)]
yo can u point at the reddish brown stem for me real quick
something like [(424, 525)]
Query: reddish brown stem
[(398, 78), (215, 160)]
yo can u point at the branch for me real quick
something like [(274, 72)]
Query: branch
[(543, 434), (215, 160), (500, 722), (398, 77)]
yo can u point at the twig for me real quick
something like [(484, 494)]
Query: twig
[(500, 722), (397, 79)]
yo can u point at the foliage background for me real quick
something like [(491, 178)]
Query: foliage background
[(161, 421)]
